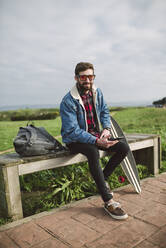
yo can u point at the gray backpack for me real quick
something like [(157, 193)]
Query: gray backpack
[(33, 141)]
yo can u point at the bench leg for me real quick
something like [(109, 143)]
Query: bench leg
[(10, 195), (151, 157), (156, 156)]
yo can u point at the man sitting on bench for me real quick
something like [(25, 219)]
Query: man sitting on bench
[(82, 111)]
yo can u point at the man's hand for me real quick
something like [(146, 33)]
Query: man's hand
[(104, 142), (105, 133)]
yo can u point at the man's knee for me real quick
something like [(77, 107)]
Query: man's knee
[(92, 151), (121, 147), (124, 147)]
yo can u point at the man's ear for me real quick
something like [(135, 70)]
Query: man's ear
[(76, 78)]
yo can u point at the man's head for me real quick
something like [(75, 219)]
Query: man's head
[(84, 75)]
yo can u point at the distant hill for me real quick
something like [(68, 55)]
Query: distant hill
[(129, 104), (28, 106), (39, 106)]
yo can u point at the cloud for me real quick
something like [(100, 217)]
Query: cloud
[(42, 42)]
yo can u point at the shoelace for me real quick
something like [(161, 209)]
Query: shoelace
[(115, 204)]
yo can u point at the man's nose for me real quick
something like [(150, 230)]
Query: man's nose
[(87, 79)]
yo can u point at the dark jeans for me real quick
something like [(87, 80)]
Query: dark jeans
[(91, 151)]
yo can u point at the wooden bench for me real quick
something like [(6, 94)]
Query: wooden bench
[(145, 147)]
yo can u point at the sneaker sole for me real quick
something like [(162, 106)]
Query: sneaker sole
[(123, 217)]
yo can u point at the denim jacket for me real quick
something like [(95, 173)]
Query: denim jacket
[(73, 116)]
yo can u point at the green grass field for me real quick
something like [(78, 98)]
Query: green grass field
[(144, 120), (9, 129), (132, 120)]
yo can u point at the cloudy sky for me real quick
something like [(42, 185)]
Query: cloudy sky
[(42, 41)]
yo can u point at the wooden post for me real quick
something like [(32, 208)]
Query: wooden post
[(150, 156), (153, 156), (156, 156), (10, 195)]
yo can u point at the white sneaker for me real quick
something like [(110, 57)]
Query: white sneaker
[(115, 212)]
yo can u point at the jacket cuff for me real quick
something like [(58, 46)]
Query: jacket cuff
[(108, 128)]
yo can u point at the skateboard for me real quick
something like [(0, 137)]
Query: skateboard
[(128, 164)]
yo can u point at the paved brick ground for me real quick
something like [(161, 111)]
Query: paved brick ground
[(85, 224)]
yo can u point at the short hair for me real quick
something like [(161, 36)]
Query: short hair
[(83, 66)]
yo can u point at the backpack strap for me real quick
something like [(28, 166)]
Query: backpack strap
[(33, 135)]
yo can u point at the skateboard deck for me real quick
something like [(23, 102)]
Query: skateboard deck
[(128, 164)]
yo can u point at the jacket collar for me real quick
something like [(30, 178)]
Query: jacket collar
[(75, 94)]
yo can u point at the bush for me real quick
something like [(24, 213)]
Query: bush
[(61, 186), (25, 116), (112, 109), (29, 114), (5, 115)]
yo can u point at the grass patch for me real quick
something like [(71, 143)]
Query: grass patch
[(163, 168), (9, 130), (4, 221), (144, 120)]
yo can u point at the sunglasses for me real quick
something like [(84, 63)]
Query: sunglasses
[(84, 77)]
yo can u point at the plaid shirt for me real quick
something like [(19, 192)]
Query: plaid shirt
[(90, 113)]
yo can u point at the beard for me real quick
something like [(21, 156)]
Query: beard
[(85, 86)]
